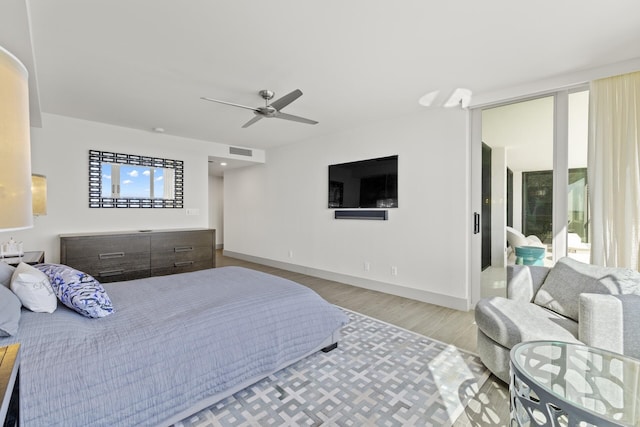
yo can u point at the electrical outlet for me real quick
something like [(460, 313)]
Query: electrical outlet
[(394, 270), (290, 254), (367, 266)]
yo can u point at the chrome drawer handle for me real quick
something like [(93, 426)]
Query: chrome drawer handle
[(182, 264), (111, 255), (107, 273), (183, 249)]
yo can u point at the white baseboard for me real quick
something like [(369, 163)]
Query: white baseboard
[(374, 285)]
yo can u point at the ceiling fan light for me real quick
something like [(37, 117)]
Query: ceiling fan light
[(270, 110)]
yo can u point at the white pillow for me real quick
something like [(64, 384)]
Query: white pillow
[(33, 289)]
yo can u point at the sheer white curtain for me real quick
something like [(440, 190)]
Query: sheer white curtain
[(614, 170), (169, 183)]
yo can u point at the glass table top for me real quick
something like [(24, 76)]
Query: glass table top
[(597, 381)]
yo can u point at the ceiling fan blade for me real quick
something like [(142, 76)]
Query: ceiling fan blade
[(280, 103), (295, 118), (228, 103), (252, 121)]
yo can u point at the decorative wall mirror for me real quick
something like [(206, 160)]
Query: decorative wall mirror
[(130, 181)]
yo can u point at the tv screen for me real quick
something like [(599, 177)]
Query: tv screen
[(369, 183)]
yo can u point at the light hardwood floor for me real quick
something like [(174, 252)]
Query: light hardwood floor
[(490, 407)]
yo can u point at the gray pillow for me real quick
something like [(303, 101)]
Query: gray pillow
[(6, 271), (9, 312), (569, 278)]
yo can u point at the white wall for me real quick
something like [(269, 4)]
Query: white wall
[(60, 151), (280, 209), (216, 203)]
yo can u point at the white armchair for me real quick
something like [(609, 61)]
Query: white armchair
[(516, 238), (573, 302)]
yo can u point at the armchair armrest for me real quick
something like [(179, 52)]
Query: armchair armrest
[(524, 281), (610, 322)]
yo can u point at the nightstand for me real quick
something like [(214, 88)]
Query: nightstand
[(9, 385), (31, 258)]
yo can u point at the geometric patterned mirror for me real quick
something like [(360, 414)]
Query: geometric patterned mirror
[(119, 180)]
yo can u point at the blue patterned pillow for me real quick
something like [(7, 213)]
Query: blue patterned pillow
[(78, 290)]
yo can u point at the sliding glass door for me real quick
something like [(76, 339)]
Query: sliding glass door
[(541, 144), (521, 138)]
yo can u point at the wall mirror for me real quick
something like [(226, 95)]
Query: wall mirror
[(119, 180)]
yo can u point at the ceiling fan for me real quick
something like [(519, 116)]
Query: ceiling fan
[(270, 110)]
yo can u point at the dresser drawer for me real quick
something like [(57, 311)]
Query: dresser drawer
[(182, 257), (104, 247), (117, 275), (180, 252), (113, 265), (182, 240), (181, 267)]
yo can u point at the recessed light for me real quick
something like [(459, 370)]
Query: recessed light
[(159, 130), (223, 164)]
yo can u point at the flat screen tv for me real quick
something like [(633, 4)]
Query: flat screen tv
[(369, 183)]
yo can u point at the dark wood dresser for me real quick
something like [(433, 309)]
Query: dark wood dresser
[(127, 255)]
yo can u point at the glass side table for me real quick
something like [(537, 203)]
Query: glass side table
[(565, 384)]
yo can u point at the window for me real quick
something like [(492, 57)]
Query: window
[(133, 182), (537, 196), (537, 204)]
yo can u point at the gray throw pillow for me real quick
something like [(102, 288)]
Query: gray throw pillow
[(9, 312), (569, 278), (6, 271)]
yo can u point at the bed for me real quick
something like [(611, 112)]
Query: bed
[(174, 345)]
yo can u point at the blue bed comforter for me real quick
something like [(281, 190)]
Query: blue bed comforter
[(172, 342)]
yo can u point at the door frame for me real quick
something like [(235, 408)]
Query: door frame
[(560, 177)]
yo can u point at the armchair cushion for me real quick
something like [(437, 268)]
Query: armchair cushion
[(509, 322), (610, 322), (523, 282), (570, 278)]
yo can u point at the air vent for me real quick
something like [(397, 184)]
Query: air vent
[(241, 151)]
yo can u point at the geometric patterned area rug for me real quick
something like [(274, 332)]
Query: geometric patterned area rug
[(380, 375)]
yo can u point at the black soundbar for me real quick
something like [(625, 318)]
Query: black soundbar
[(362, 214)]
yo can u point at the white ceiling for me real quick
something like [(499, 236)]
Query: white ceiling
[(218, 165), (146, 63)]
